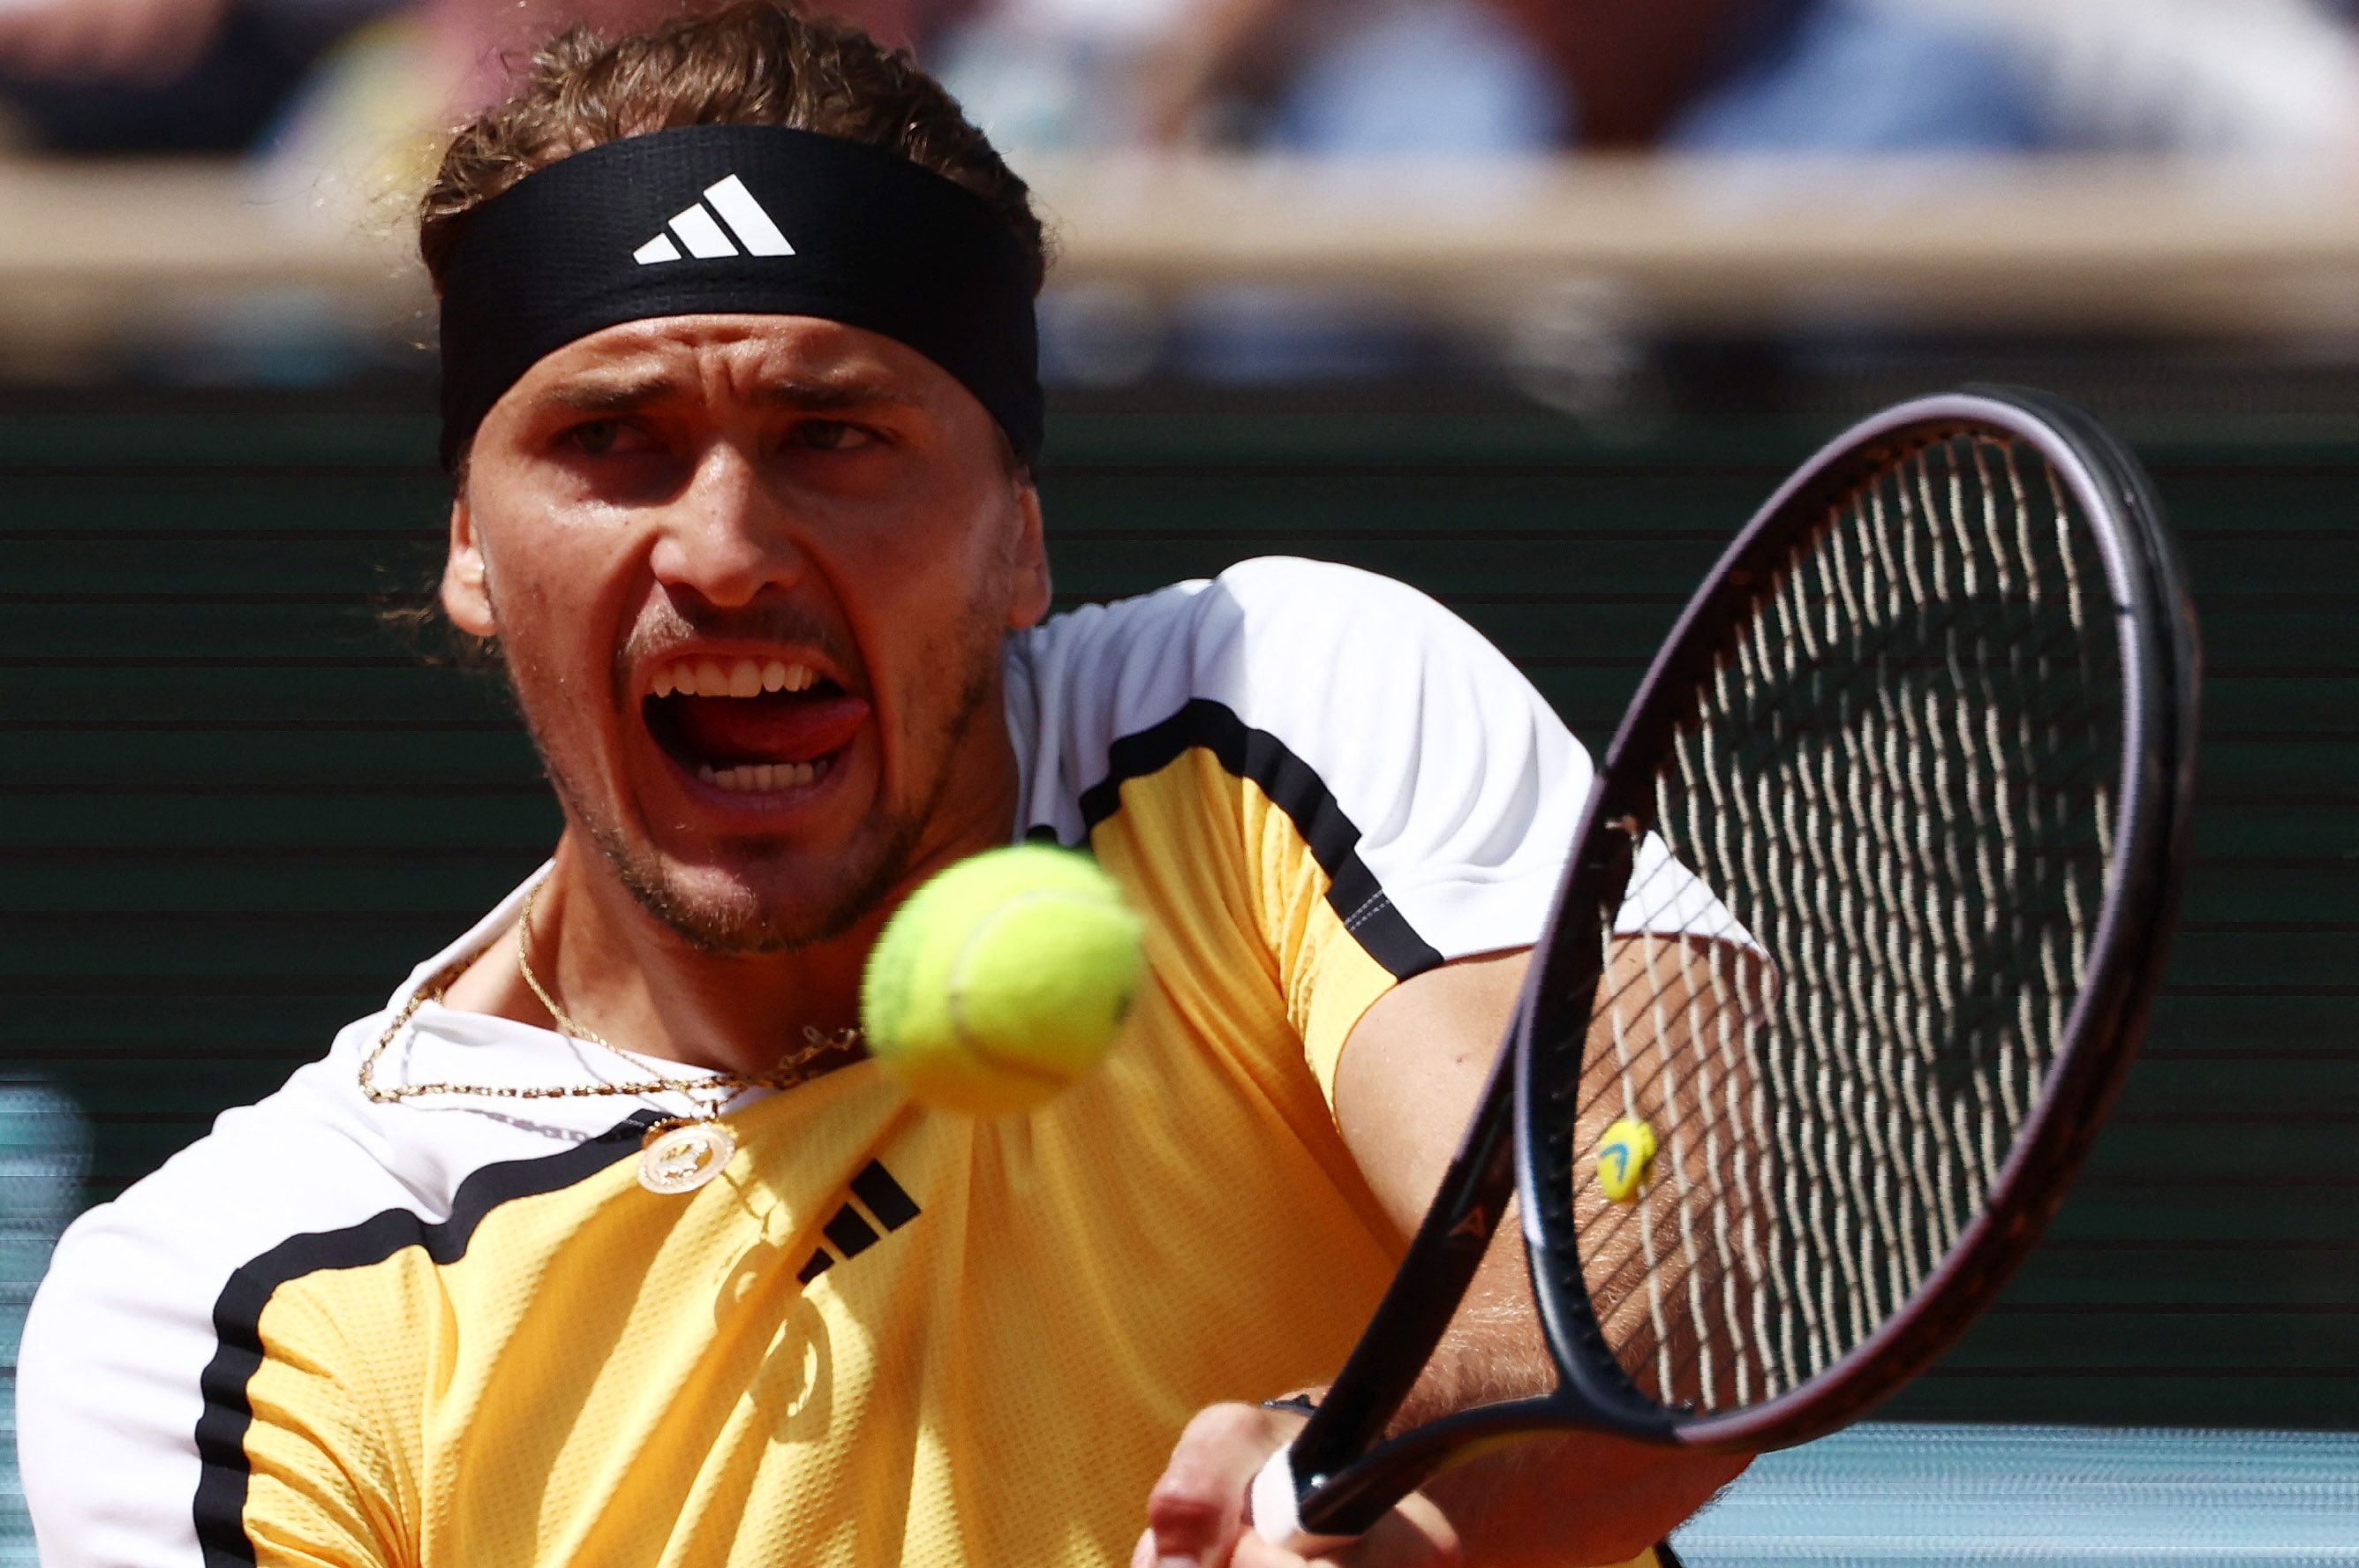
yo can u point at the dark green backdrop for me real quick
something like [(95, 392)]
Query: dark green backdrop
[(237, 811)]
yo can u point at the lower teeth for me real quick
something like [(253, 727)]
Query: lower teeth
[(755, 778)]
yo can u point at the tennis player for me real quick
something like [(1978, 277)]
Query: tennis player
[(602, 1243)]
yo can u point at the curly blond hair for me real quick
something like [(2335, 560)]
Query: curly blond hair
[(748, 62)]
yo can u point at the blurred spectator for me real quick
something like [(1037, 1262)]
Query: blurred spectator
[(213, 75), (2241, 77), (216, 75), (160, 75), (1779, 75), (118, 76), (121, 40), (1454, 76), (1355, 76)]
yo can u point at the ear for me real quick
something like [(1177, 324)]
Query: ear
[(1028, 554), (466, 598)]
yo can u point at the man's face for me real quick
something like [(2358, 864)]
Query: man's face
[(751, 576)]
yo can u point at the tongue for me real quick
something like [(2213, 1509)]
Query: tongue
[(727, 731)]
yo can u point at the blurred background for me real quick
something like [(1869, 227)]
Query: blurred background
[(1528, 302)]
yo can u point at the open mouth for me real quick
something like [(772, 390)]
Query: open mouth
[(751, 725)]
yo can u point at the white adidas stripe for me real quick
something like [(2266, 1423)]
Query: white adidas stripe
[(700, 235), (746, 220), (706, 238)]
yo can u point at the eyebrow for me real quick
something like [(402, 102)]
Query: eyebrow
[(608, 396), (622, 397), (850, 392)]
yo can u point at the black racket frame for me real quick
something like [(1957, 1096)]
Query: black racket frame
[(1347, 1474)]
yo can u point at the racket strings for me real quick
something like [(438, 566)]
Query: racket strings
[(1897, 779)]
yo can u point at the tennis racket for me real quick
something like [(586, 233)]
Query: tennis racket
[(1863, 918)]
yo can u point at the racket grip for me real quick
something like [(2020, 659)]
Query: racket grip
[(1275, 1513)]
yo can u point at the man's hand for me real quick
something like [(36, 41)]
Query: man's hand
[(1196, 1514), (1578, 1497)]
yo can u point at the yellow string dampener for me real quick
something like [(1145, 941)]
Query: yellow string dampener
[(1624, 1156)]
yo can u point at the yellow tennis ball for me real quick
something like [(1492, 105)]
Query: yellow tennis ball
[(1624, 1155), (1001, 980)]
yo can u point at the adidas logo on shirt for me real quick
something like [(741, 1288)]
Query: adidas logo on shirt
[(704, 235)]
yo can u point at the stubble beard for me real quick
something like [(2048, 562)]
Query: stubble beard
[(888, 840)]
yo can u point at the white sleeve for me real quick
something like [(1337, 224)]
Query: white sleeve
[(1433, 781), (133, 1426), (108, 1400), (1433, 784), (1463, 784)]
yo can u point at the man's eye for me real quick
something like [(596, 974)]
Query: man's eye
[(830, 435), (598, 437)]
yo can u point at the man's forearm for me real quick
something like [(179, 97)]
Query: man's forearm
[(1515, 1504), (1509, 1506)]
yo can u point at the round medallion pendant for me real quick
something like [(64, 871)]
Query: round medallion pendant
[(684, 1158)]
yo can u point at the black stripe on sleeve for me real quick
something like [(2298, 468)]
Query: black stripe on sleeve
[(1333, 838), (225, 1477)]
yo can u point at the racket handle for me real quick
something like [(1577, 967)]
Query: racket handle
[(1275, 1514)]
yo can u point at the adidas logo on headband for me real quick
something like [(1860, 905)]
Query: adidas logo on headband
[(673, 223), (704, 236)]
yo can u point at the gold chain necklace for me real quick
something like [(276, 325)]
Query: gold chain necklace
[(678, 1154)]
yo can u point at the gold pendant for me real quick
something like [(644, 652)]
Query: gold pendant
[(684, 1155)]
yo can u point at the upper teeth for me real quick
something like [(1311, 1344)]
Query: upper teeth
[(737, 678)]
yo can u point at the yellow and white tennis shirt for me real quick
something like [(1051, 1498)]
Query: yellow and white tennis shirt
[(457, 1330)]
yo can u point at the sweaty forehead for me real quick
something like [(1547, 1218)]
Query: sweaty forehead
[(801, 360)]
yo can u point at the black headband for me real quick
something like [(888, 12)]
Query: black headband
[(755, 219)]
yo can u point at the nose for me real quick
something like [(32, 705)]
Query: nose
[(725, 537)]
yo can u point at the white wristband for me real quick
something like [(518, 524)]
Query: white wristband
[(1275, 1517)]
